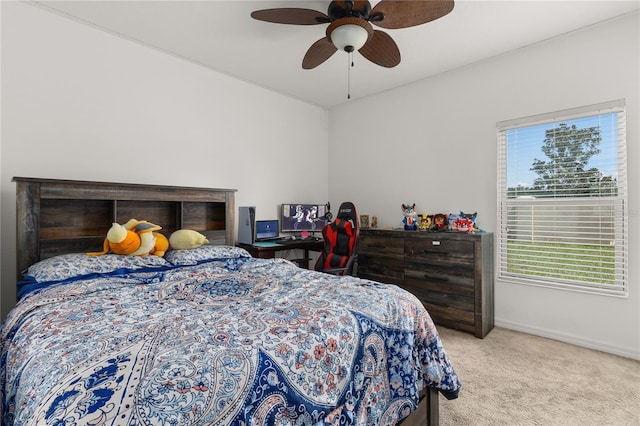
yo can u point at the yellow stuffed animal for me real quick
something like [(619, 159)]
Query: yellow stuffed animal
[(183, 239), (134, 238)]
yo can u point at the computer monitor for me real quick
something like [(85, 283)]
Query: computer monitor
[(267, 230), (303, 217)]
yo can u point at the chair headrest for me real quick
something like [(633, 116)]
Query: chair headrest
[(347, 211)]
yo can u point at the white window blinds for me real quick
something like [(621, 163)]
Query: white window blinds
[(562, 193)]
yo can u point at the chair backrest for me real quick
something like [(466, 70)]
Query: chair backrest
[(340, 242)]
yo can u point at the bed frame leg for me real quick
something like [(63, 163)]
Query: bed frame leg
[(433, 407)]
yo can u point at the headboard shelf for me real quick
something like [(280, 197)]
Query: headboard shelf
[(66, 216)]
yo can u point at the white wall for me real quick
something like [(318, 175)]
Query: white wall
[(78, 103), (434, 143)]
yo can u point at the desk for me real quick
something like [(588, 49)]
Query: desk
[(270, 251)]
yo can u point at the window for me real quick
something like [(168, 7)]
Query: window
[(562, 194)]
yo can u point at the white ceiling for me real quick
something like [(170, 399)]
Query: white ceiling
[(221, 35)]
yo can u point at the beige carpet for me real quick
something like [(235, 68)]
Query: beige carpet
[(512, 378)]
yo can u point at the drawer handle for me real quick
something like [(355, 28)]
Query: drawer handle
[(430, 252), (441, 279)]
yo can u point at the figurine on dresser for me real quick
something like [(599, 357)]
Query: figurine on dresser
[(410, 220)]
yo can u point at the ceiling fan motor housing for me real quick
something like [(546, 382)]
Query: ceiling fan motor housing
[(336, 11)]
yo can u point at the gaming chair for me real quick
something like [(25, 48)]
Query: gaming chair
[(340, 255)]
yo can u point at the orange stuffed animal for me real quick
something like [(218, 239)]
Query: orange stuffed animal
[(134, 238)]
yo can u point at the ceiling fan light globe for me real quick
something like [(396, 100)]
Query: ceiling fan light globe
[(349, 38)]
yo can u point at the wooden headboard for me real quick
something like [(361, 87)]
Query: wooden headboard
[(65, 216)]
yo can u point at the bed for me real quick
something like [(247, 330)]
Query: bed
[(206, 336)]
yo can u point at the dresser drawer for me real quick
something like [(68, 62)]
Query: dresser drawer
[(461, 302), (373, 244), (452, 318), (430, 251), (447, 297), (381, 258), (446, 308), (386, 269), (457, 281)]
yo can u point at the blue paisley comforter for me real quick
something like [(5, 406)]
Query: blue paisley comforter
[(236, 341)]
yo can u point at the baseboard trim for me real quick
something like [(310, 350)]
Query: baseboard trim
[(568, 338)]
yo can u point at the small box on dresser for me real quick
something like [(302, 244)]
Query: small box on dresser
[(451, 273)]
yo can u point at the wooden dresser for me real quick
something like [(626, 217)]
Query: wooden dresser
[(451, 273)]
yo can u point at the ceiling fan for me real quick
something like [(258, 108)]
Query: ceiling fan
[(350, 26)]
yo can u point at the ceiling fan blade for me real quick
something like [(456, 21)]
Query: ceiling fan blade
[(293, 15), (403, 14), (381, 50), (319, 52)]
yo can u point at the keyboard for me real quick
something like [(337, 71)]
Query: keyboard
[(285, 241), (288, 240), (267, 240)]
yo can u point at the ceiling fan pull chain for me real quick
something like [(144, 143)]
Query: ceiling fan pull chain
[(349, 66)]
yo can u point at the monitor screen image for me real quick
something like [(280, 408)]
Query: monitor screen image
[(267, 229), (303, 217)]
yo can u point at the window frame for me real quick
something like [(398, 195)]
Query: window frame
[(617, 203)]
